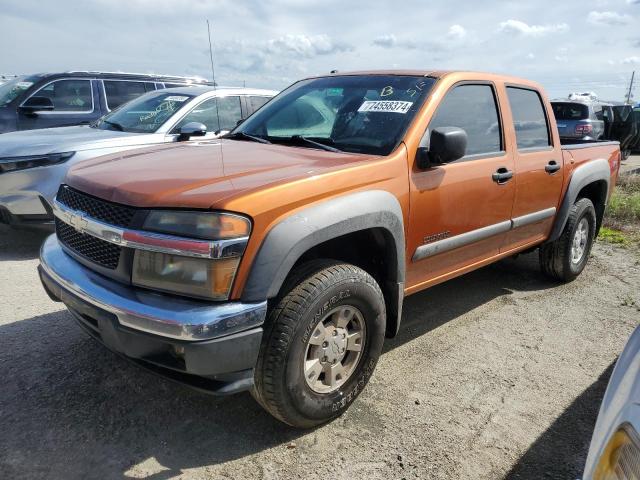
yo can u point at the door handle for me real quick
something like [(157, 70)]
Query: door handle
[(552, 167), (502, 175)]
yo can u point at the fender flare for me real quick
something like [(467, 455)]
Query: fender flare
[(593, 171), (288, 240)]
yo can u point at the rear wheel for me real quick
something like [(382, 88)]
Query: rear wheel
[(321, 344), (565, 258)]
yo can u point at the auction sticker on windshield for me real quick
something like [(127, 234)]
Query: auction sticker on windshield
[(176, 98), (391, 106)]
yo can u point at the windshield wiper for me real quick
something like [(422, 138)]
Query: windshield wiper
[(308, 141), (116, 125), (245, 136)]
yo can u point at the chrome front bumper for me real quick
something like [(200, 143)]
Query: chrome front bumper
[(166, 316)]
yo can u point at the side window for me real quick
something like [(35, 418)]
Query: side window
[(203, 113), (529, 119), (256, 102), (120, 92), (68, 95), (229, 112), (472, 108), (597, 110)]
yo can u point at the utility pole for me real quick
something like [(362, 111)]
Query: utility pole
[(630, 88)]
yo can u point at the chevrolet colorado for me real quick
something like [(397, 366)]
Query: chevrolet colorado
[(276, 260)]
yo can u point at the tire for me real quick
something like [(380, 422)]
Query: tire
[(626, 154), (559, 259), (293, 340)]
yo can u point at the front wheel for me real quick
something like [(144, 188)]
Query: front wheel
[(565, 258), (322, 342)]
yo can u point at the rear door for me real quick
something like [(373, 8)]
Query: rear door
[(538, 168), (459, 212), (119, 92), (624, 127)]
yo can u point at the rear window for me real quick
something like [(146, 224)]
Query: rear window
[(119, 92), (529, 119), (570, 111)]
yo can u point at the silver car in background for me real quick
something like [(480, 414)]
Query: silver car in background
[(581, 120), (33, 163)]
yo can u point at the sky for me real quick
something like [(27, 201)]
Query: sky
[(567, 45)]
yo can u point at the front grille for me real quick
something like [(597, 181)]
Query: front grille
[(98, 251), (107, 212)]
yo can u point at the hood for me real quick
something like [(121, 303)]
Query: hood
[(67, 139), (201, 174)]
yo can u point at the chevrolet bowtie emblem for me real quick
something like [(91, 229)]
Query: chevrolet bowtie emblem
[(78, 221)]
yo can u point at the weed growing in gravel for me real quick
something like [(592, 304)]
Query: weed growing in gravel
[(624, 206)]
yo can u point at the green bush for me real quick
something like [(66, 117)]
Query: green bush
[(624, 205)]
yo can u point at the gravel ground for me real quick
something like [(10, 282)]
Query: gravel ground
[(498, 374)]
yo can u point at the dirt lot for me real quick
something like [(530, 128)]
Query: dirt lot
[(496, 374)]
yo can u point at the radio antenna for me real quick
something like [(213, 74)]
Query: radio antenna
[(213, 72), (213, 77)]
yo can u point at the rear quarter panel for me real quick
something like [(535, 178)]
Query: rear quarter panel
[(575, 157)]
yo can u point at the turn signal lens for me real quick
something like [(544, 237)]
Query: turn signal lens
[(621, 457), (193, 277)]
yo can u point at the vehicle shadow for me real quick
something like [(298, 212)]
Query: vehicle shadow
[(72, 409), (427, 310), (21, 244), (561, 451)]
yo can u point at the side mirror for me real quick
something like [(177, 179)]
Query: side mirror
[(37, 104), (446, 144), (192, 129)]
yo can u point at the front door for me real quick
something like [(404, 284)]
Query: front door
[(460, 212), (74, 101), (538, 169)]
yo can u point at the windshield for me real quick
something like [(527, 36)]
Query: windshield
[(358, 113), (570, 111), (10, 90), (145, 114)]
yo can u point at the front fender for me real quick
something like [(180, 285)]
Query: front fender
[(296, 234)]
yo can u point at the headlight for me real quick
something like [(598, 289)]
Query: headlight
[(208, 278), (620, 459), (11, 164), (207, 225)]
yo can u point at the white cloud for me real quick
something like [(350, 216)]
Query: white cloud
[(630, 61), (386, 41), (633, 2), (306, 45), (521, 28), (608, 18), (530, 56), (457, 32)]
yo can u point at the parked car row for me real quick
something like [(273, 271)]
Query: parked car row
[(33, 163), (588, 119), (74, 98)]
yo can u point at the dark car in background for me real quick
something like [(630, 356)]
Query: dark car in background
[(48, 100), (582, 121)]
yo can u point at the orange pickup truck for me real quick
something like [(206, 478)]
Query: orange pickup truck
[(276, 260)]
